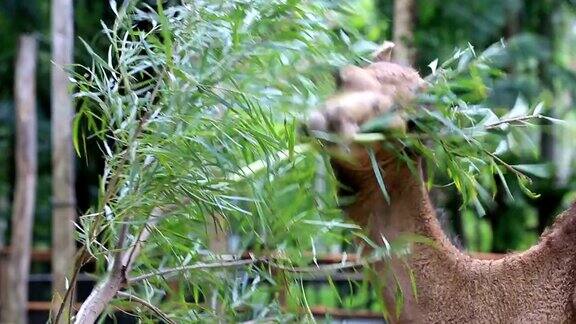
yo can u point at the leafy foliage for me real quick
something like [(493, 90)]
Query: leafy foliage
[(455, 131), (194, 106)]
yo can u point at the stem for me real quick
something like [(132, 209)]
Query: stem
[(512, 120), (99, 298), (327, 268), (80, 258), (258, 166), (91, 308), (193, 267), (143, 302), (266, 261), (506, 165)]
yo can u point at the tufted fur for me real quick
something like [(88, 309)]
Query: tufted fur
[(536, 286)]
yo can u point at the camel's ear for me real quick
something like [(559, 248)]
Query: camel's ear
[(384, 53)]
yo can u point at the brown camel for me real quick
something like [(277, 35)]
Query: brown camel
[(535, 286)]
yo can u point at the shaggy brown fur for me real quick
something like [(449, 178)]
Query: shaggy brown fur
[(536, 286)]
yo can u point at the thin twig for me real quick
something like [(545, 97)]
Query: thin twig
[(120, 246), (512, 120), (194, 267), (266, 261), (326, 268), (106, 290), (115, 179), (507, 166), (80, 261), (143, 302), (261, 320)]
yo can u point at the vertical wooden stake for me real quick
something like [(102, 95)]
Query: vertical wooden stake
[(403, 34), (218, 243), (63, 191), (16, 290)]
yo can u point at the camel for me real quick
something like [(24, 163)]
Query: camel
[(535, 286)]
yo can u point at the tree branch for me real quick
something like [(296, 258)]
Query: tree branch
[(102, 294), (194, 267), (519, 119), (327, 268), (124, 258), (264, 260)]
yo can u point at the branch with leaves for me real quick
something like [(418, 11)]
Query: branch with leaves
[(182, 109), (124, 258)]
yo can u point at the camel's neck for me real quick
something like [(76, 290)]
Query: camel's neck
[(449, 282), (409, 211)]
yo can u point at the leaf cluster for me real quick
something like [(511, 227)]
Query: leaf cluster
[(195, 108), (461, 137)]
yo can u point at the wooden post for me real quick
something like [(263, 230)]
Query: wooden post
[(218, 235), (403, 34), (15, 293), (63, 191)]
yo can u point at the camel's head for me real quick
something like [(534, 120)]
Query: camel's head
[(381, 90)]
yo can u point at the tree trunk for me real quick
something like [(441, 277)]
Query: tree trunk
[(16, 291), (403, 34), (63, 192)]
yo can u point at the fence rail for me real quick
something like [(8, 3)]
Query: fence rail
[(44, 256)]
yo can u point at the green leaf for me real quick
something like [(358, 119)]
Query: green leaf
[(524, 181), (413, 284), (555, 120), (503, 180), (398, 295), (334, 289), (368, 137), (76, 133), (378, 174), (166, 33), (539, 170), (388, 122), (538, 109), (433, 65), (520, 108)]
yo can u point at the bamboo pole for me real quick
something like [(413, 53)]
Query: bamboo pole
[(18, 264), (63, 191)]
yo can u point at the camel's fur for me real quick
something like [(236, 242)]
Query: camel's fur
[(536, 286)]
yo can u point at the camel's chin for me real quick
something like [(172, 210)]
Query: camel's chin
[(351, 157)]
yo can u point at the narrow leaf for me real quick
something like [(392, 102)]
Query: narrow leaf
[(378, 174)]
